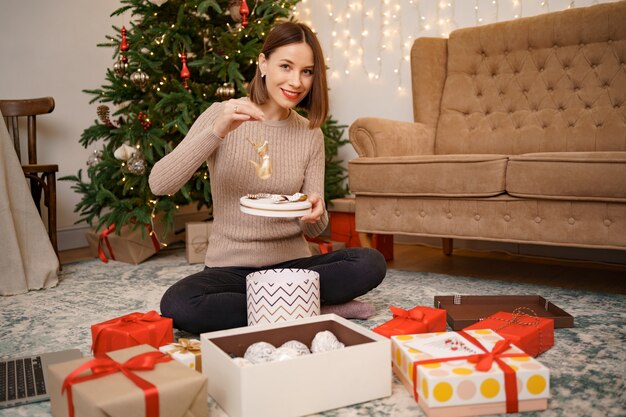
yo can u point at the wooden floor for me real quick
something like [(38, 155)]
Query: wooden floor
[(589, 276)]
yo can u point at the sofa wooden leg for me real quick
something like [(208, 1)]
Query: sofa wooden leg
[(448, 245), (366, 240)]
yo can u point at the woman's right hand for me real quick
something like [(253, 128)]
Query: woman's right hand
[(234, 113)]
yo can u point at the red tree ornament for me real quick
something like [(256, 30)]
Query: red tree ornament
[(184, 72), (124, 45), (244, 11)]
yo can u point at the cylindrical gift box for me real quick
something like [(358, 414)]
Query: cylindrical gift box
[(275, 295)]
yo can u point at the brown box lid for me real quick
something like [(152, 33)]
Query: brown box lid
[(465, 310)]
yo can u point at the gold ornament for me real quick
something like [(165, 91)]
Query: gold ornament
[(120, 67), (139, 78), (225, 91), (264, 169)]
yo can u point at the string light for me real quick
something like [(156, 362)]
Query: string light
[(354, 42)]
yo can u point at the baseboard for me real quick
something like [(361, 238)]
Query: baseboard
[(72, 237)]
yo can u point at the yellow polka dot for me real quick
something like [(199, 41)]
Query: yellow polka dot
[(192, 365), (462, 371), (482, 331), (404, 337), (489, 388), (399, 357), (536, 384), (410, 372), (521, 358), (442, 392), (415, 351), (432, 365), (425, 388), (514, 367)]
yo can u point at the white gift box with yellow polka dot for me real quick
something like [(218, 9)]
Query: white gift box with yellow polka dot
[(456, 389)]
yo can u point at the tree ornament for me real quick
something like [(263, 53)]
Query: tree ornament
[(139, 78), (104, 115), (124, 46), (225, 91), (124, 152), (136, 164), (144, 120), (119, 68), (158, 2), (244, 12), (233, 8), (184, 72), (95, 158)]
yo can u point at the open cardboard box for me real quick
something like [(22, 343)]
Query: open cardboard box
[(465, 310), (304, 385)]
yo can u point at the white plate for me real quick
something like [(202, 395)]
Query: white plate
[(266, 207)]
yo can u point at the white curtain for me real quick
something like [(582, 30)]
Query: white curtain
[(27, 259)]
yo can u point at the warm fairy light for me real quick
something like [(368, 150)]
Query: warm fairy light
[(369, 38)]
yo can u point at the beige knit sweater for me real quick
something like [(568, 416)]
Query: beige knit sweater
[(238, 239)]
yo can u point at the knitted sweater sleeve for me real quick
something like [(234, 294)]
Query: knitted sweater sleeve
[(314, 183), (176, 168)]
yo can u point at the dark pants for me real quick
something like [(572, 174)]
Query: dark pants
[(215, 298)]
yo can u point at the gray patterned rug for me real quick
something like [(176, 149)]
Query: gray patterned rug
[(588, 362)]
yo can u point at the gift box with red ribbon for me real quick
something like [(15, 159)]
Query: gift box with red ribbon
[(318, 245), (131, 330), (131, 245), (534, 335), (137, 381), (469, 373), (419, 319)]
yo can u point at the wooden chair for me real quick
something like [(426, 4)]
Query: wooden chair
[(42, 176)]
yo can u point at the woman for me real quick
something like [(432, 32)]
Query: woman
[(290, 73)]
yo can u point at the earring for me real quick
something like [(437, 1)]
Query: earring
[(262, 75)]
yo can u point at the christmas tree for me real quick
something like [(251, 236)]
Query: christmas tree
[(174, 60)]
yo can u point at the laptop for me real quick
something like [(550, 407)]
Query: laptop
[(23, 380)]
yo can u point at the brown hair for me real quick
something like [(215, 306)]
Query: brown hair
[(316, 101)]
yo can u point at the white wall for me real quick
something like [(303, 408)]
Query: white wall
[(49, 48)]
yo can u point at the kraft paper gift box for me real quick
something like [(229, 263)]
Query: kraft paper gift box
[(122, 385), (130, 246), (131, 330), (197, 241), (299, 386), (534, 335), (419, 319), (186, 352), (319, 246), (449, 375)]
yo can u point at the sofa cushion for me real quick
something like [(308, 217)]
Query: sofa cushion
[(591, 176), (432, 175)]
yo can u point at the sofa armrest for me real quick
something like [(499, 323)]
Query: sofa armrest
[(373, 137)]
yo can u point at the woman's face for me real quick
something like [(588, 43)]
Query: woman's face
[(288, 74)]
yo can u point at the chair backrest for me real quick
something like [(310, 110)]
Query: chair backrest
[(13, 110), (548, 83)]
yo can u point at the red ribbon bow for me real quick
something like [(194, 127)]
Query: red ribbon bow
[(483, 362), (101, 367), (150, 316), (413, 314)]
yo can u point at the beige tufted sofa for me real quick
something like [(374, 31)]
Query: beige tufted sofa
[(519, 136)]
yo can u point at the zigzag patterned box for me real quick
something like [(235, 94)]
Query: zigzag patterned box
[(300, 386), (275, 295)]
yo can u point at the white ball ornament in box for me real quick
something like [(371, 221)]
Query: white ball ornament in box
[(277, 295)]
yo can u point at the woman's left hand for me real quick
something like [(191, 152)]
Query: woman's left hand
[(317, 209)]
